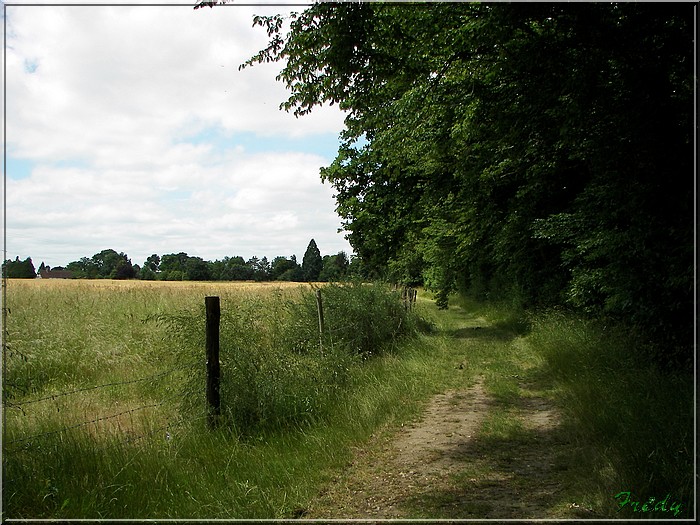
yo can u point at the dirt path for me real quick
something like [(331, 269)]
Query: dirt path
[(444, 465)]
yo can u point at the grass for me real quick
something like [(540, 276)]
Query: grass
[(281, 439), (624, 426), (631, 425)]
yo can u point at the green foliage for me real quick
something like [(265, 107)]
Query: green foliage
[(146, 274), (197, 269), (152, 263), (277, 371), (165, 463), (623, 425), (312, 263), (335, 267), (631, 424), (533, 151), (19, 269), (107, 264), (282, 266), (362, 319)]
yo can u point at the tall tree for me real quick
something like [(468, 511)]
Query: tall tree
[(542, 151), (152, 263), (335, 267), (286, 269), (123, 270), (19, 269), (312, 263), (197, 269), (85, 268)]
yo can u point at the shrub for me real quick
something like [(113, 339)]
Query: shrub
[(276, 370), (363, 319)]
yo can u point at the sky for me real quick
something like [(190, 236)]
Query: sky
[(131, 128)]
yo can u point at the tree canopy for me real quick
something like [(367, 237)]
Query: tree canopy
[(107, 264), (19, 269), (538, 151)]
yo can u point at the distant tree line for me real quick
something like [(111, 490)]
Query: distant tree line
[(110, 264)]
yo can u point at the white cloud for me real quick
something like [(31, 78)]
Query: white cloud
[(115, 80), (104, 101), (262, 204)]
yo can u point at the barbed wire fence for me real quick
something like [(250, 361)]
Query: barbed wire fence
[(24, 442), (212, 387)]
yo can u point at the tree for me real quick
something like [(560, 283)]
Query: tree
[(85, 268), (152, 263), (259, 268), (280, 265), (123, 269), (294, 274), (19, 269), (286, 269), (335, 267), (312, 263), (174, 262), (197, 269), (107, 264), (146, 274), (529, 151)]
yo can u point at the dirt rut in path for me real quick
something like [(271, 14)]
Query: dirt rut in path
[(440, 466)]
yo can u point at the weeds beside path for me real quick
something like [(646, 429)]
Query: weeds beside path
[(487, 446)]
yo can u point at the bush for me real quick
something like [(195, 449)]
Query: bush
[(276, 370), (363, 319)]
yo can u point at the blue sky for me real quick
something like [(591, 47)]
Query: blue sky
[(132, 128)]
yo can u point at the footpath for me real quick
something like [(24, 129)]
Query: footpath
[(454, 462)]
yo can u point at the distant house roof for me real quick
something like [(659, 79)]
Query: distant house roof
[(56, 274)]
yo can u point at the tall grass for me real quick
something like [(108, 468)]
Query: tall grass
[(631, 424), (277, 369), (294, 404), (627, 425), (290, 411)]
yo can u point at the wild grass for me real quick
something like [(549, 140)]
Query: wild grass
[(291, 412), (631, 423), (627, 425), (295, 405)]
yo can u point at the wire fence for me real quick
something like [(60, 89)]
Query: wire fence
[(28, 441), (95, 387), (408, 297)]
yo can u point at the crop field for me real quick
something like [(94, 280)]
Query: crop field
[(66, 337), (99, 371)]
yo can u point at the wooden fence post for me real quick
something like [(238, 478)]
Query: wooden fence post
[(409, 296), (213, 309), (319, 305)]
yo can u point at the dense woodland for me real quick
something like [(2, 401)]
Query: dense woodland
[(540, 153), (110, 264)]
